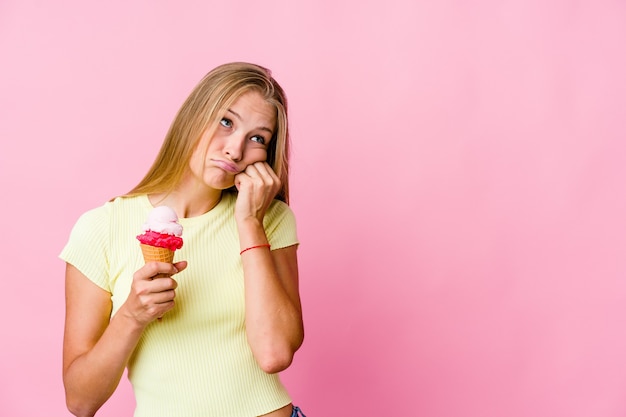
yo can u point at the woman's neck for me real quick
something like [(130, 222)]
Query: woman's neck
[(187, 203)]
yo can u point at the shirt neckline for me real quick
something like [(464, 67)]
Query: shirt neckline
[(190, 221)]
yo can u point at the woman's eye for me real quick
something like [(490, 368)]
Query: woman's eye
[(258, 139), (226, 123)]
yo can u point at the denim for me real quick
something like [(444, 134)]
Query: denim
[(297, 412)]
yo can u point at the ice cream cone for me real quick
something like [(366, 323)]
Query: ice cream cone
[(154, 253)]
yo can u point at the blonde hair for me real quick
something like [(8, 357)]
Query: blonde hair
[(203, 110)]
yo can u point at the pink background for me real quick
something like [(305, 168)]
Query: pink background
[(458, 176)]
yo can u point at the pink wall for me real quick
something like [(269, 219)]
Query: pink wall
[(459, 180)]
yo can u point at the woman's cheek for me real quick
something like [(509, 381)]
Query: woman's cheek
[(258, 155)]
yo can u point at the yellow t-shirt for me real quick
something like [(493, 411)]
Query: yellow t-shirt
[(196, 361)]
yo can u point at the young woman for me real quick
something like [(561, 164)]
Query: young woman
[(207, 335)]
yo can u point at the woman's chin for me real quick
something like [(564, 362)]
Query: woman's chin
[(220, 184)]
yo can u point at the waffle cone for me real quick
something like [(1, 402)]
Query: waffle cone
[(154, 253)]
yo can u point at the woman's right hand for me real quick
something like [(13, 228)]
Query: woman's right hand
[(96, 346), (152, 291)]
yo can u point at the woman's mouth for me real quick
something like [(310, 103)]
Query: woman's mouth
[(226, 166)]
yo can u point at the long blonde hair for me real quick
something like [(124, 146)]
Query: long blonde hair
[(203, 110)]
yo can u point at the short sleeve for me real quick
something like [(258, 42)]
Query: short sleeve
[(88, 246), (280, 226)]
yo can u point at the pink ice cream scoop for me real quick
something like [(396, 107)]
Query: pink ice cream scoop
[(162, 235)]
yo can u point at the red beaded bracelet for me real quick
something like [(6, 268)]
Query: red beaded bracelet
[(265, 245)]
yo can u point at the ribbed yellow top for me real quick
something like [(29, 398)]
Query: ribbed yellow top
[(196, 361)]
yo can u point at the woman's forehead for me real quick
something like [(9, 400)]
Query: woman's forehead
[(254, 108)]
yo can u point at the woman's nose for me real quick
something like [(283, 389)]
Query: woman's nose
[(234, 147)]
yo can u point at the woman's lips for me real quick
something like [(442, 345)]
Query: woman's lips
[(226, 166)]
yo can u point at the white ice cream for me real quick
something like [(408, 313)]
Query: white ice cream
[(164, 220)]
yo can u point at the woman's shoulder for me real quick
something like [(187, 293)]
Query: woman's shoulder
[(134, 202), (116, 206), (280, 208), (279, 216)]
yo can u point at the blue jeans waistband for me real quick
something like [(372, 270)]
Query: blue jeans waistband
[(297, 412)]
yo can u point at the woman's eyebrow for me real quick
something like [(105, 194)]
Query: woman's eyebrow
[(235, 113), (239, 117)]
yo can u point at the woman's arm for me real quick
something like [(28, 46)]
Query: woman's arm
[(96, 350), (273, 311)]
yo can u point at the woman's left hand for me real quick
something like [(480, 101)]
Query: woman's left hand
[(257, 185)]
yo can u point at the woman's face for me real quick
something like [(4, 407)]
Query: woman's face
[(242, 138)]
